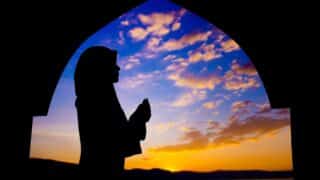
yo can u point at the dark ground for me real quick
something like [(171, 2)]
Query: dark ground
[(40, 168)]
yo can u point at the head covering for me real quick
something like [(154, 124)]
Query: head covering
[(93, 67)]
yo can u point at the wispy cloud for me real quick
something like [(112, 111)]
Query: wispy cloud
[(195, 141), (181, 78), (184, 41), (241, 84), (195, 82), (245, 107), (213, 125), (164, 126), (173, 67), (229, 46), (189, 98), (238, 105), (131, 62), (252, 127), (177, 67), (134, 60), (212, 104), (121, 39), (169, 57), (152, 43), (246, 69), (206, 52), (176, 26), (138, 80), (235, 131), (157, 24), (241, 77), (138, 33), (125, 23)]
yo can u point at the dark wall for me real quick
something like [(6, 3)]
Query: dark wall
[(42, 38)]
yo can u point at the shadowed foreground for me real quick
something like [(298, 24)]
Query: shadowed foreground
[(53, 169)]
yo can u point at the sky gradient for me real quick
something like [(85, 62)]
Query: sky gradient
[(210, 110)]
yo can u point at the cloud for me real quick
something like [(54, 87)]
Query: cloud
[(264, 107), (169, 57), (184, 41), (121, 38), (131, 62), (237, 78), (125, 23), (196, 140), (195, 82), (164, 126), (246, 69), (157, 19), (134, 60), (203, 53), (138, 33), (235, 131), (241, 77), (178, 65), (173, 67), (189, 98), (145, 55), (215, 113), (223, 96), (252, 127), (138, 80), (238, 105), (241, 85), (219, 36), (229, 46), (128, 66), (213, 125), (157, 24), (176, 26), (204, 69), (212, 104), (153, 42)]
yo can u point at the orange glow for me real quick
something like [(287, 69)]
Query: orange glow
[(271, 152)]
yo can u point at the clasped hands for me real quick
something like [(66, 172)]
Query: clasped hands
[(140, 117)]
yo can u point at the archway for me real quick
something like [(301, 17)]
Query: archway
[(194, 74)]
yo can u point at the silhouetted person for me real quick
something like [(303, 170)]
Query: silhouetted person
[(106, 136)]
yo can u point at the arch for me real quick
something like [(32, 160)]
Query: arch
[(209, 86), (43, 75)]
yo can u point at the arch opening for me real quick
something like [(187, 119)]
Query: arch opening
[(208, 102)]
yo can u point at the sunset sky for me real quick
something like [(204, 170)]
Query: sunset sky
[(210, 110)]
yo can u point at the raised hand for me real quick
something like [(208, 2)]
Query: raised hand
[(143, 113), (146, 109), (139, 119)]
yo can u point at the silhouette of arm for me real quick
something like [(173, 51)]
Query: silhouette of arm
[(135, 129)]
